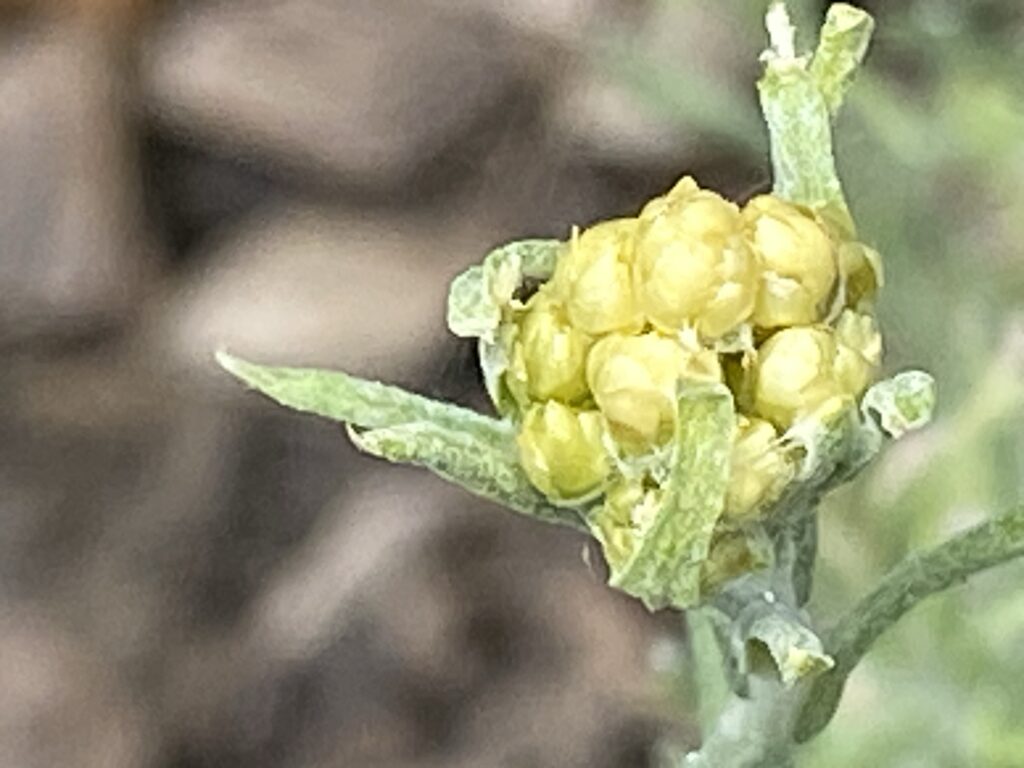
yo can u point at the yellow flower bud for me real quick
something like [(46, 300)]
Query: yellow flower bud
[(731, 554), (861, 268), (858, 351), (797, 258), (562, 450), (760, 469), (626, 513), (795, 374), (548, 358), (692, 267), (633, 380), (593, 278)]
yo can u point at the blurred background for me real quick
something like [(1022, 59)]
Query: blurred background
[(191, 577)]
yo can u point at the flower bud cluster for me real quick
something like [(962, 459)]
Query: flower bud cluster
[(770, 299)]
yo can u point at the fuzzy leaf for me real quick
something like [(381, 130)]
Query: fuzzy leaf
[(795, 649), (844, 42), (665, 568), (798, 103), (368, 404), (478, 297), (487, 466), (903, 403), (920, 575)]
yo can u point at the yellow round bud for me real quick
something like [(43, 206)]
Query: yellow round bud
[(858, 351), (633, 380), (797, 259), (795, 373), (685, 188), (627, 511), (562, 450), (692, 267), (548, 358), (731, 554), (760, 469), (593, 278), (861, 268)]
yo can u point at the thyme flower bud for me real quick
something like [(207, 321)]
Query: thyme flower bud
[(633, 380), (861, 268), (626, 513), (760, 469), (548, 358), (795, 374), (562, 450), (692, 267), (593, 278), (798, 262), (858, 351)]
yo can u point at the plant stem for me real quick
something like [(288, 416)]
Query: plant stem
[(917, 577), (762, 729), (751, 732)]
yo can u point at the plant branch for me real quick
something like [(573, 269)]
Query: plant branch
[(917, 577)]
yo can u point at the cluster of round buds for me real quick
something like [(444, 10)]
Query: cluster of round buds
[(771, 299)]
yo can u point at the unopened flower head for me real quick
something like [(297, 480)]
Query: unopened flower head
[(634, 378), (760, 469), (627, 512), (862, 273), (548, 358), (795, 374), (562, 450), (594, 278), (797, 260), (692, 267), (731, 554), (858, 351)]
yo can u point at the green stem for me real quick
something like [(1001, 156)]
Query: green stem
[(917, 577), (752, 731)]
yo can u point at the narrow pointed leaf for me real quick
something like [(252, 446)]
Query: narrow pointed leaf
[(666, 566), (920, 575), (479, 296), (368, 404), (841, 49), (486, 465)]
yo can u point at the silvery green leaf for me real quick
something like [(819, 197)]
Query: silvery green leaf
[(479, 296), (368, 404), (995, 541), (472, 312), (795, 649), (901, 404), (766, 626), (844, 42), (665, 566), (486, 465), (799, 124), (494, 363)]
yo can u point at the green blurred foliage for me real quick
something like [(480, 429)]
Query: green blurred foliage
[(931, 150)]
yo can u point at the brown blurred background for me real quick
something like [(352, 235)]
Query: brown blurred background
[(191, 577)]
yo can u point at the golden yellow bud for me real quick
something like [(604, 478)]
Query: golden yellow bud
[(692, 267), (548, 358), (795, 373), (858, 351), (732, 553), (685, 188), (626, 513), (861, 268), (797, 259), (633, 380), (562, 450), (593, 278), (760, 469)]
